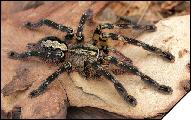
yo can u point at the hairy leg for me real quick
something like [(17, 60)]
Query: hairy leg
[(45, 83), (149, 27), (53, 25), (21, 56), (36, 49), (85, 16), (118, 86), (98, 31), (164, 54), (132, 69)]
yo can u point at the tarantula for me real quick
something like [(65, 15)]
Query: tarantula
[(88, 58)]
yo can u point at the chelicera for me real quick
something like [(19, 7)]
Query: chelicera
[(88, 58)]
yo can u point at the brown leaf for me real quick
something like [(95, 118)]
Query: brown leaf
[(73, 89), (19, 82)]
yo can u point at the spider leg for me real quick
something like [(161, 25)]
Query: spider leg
[(132, 69), (20, 56), (98, 31), (118, 86), (85, 16), (147, 27), (38, 49), (45, 83), (53, 25), (164, 54)]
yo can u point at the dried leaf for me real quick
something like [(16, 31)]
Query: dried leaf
[(73, 89)]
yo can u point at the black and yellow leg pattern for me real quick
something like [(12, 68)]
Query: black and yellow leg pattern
[(85, 16), (45, 83), (21, 56), (165, 54), (134, 70), (53, 25), (103, 41), (118, 86)]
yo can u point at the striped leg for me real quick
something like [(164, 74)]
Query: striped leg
[(51, 78), (21, 56), (118, 86), (85, 16), (149, 27), (53, 25), (132, 69), (164, 54), (99, 28), (33, 51)]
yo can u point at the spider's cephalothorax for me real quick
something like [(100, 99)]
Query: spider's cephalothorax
[(89, 59)]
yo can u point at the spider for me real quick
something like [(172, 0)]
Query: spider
[(88, 58)]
